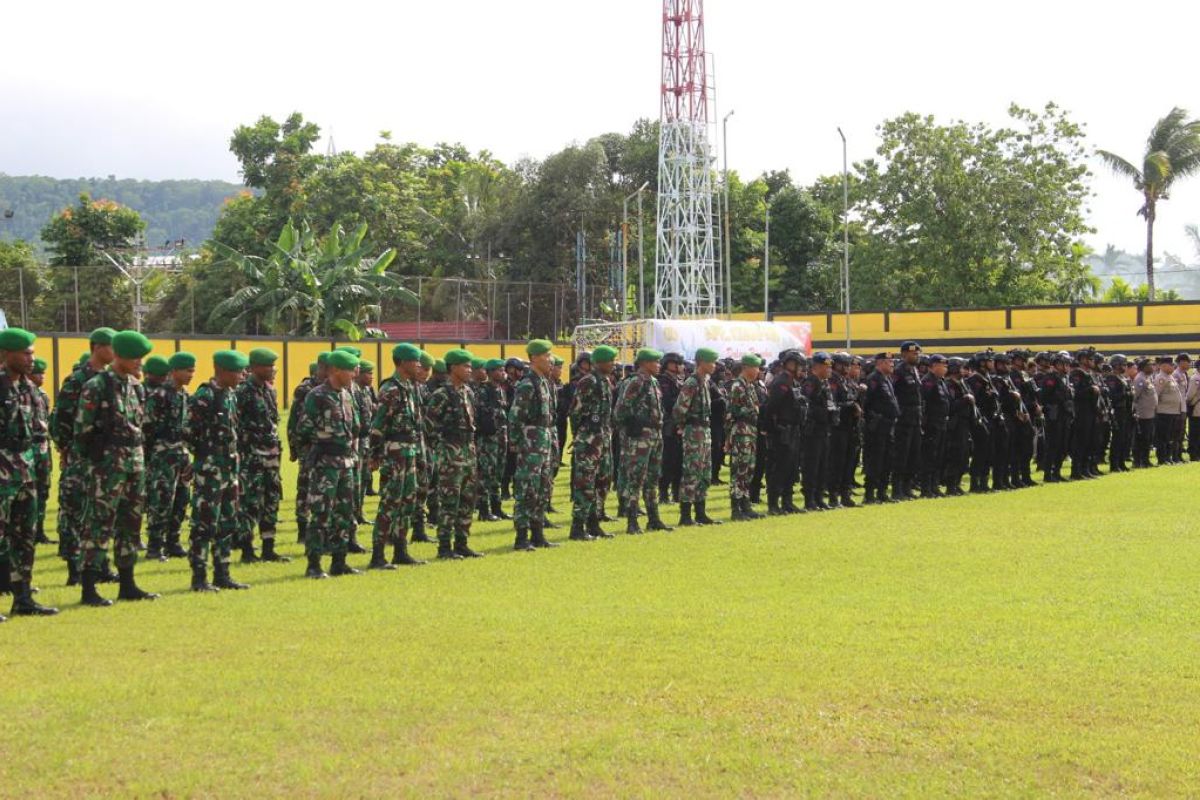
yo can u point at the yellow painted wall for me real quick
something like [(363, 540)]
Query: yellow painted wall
[(986, 318), (1038, 318), (1105, 316), (915, 321), (300, 355), (1168, 314)]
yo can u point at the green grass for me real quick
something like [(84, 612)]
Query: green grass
[(1034, 642)]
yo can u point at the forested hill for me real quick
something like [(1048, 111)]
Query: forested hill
[(176, 209)]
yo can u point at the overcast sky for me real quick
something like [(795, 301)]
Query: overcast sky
[(153, 90)]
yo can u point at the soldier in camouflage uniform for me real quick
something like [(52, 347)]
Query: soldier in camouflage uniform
[(491, 411), (168, 465), (741, 431), (362, 430), (691, 416), (425, 455), (213, 437), (368, 401), (259, 455), (71, 483), (296, 448), (18, 478), (591, 449), (43, 459), (534, 435), (438, 378), (328, 429), (639, 411), (450, 419), (396, 440), (108, 431)]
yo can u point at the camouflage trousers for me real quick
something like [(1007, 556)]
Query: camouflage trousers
[(302, 492), (697, 463), (533, 478), (455, 486), (742, 451), (398, 498), (641, 458), (43, 467), (168, 471), (258, 503), (591, 466), (72, 489), (18, 514), (112, 516), (490, 452), (214, 513), (331, 487), (363, 476)]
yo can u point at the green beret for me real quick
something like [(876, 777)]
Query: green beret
[(312, 368), (477, 362), (407, 352), (604, 354), (39, 366), (494, 363), (707, 355), (263, 357), (16, 340), (751, 360), (351, 349), (343, 359), (131, 344), (182, 360), (231, 360), (156, 365), (82, 359), (457, 356), (366, 366), (323, 357), (426, 360), (556, 361), (645, 354), (538, 346), (102, 336), (439, 365)]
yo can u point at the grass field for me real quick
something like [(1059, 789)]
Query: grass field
[(1025, 643)]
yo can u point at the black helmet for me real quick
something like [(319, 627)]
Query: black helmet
[(842, 359), (821, 357), (936, 358), (955, 363)]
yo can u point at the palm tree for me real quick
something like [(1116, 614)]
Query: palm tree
[(1172, 152)]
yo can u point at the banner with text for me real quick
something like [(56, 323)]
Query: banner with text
[(732, 339)]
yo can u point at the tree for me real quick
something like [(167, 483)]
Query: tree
[(310, 286), (971, 215), (20, 279), (1120, 291), (1172, 152), (86, 236)]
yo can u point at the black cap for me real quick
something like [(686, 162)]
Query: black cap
[(584, 356), (910, 345), (885, 356), (937, 358), (821, 357), (1087, 353), (671, 357), (842, 359), (514, 363), (955, 363)]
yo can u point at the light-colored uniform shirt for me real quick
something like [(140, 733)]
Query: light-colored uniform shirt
[(1145, 397), (1170, 398)]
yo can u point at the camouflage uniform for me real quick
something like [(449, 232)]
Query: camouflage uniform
[(108, 430), (396, 444), (368, 401), (18, 478), (691, 416), (72, 484), (43, 459), (451, 420), (168, 465), (296, 449), (532, 431), (491, 442), (213, 436), (639, 411), (741, 430), (327, 431), (591, 460), (360, 444), (259, 453)]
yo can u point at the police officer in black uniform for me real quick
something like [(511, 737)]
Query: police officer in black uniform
[(1087, 413), (987, 422), (670, 381), (845, 428), (1120, 395), (822, 414), (907, 447), (935, 396), (1058, 404), (1012, 410), (962, 418), (787, 411), (881, 411), (1026, 432)]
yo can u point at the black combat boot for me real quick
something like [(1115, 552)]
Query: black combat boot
[(200, 580), (248, 554), (378, 559), (498, 510), (702, 517), (869, 498), (6, 586), (269, 554), (685, 515), (418, 530), (748, 510), (461, 548), (736, 514), (400, 556), (594, 530), (129, 588), (834, 501), (107, 575), (340, 567), (354, 546), (484, 512), (654, 521), (301, 531), (90, 597), (314, 567), (154, 549), (846, 500), (546, 523), (578, 533), (72, 573), (537, 536), (773, 508), (25, 606), (631, 518), (522, 543), (446, 552), (223, 580), (174, 549)]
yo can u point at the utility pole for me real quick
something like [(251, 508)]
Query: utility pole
[(767, 269), (845, 234)]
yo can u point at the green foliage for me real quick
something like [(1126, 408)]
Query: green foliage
[(20, 272), (984, 216), (309, 286), (1120, 291)]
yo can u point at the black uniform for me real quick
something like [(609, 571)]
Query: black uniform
[(717, 397), (962, 419), (1058, 404), (881, 411), (983, 433), (935, 395), (842, 438), (672, 459), (1011, 409), (1120, 397), (1026, 430), (787, 410), (907, 448), (1087, 415), (822, 414)]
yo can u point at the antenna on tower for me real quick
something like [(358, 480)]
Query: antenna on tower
[(330, 148), (685, 270)]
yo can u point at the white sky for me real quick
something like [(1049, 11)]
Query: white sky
[(153, 90)]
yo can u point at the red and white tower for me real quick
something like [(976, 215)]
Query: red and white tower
[(685, 270)]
